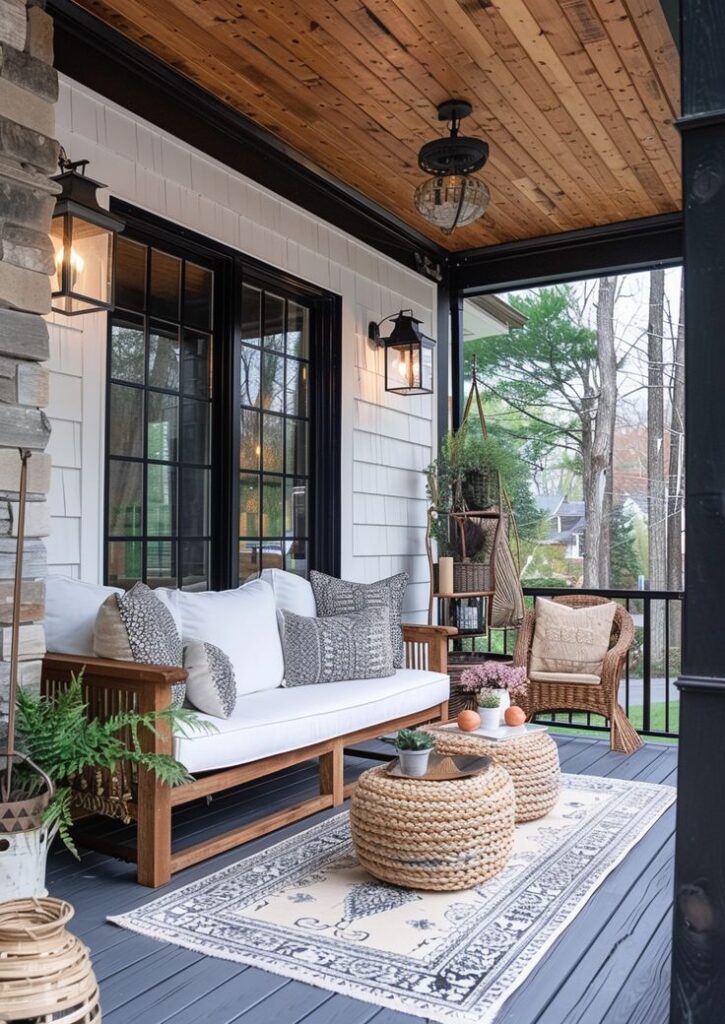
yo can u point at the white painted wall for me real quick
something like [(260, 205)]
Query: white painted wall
[(387, 440)]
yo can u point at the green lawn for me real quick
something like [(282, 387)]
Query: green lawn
[(657, 723)]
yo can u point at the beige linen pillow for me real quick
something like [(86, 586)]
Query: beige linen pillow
[(569, 640)]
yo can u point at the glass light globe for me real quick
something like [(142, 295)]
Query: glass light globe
[(452, 200)]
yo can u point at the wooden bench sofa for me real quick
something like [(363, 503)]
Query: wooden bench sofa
[(113, 686)]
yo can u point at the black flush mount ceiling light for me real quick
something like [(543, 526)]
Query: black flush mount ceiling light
[(408, 355), (453, 196), (83, 236)]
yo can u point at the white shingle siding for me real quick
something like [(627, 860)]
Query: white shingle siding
[(386, 440)]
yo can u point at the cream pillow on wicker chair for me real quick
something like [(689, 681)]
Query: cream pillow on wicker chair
[(570, 641)]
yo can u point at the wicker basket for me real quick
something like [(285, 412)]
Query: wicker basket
[(532, 761), (471, 577), (433, 835), (45, 972), (480, 489)]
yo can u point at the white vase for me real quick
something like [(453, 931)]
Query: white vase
[(22, 863), (504, 703), (490, 719)]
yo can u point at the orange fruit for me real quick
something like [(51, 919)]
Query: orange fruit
[(468, 720), (514, 715)]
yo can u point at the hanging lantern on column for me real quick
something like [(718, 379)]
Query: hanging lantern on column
[(83, 236)]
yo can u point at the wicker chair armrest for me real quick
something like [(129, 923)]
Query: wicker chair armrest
[(615, 656), (524, 640)]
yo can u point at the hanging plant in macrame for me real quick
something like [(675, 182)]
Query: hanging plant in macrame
[(508, 600)]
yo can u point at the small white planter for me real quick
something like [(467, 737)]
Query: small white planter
[(490, 718), (413, 762), (22, 863)]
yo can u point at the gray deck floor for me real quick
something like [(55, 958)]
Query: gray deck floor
[(610, 966)]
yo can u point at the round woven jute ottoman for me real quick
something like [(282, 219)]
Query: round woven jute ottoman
[(422, 834), (531, 759), (45, 971)]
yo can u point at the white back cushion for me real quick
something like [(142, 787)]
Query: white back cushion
[(242, 623), (292, 593), (71, 607)]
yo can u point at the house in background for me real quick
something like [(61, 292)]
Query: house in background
[(565, 524)]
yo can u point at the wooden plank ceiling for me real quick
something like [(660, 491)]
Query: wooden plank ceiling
[(575, 97)]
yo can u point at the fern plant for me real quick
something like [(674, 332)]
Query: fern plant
[(57, 734)]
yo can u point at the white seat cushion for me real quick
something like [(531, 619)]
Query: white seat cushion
[(269, 723), (575, 678), (71, 607), (243, 624), (292, 593)]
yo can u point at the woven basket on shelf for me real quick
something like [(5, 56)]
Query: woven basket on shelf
[(433, 835), (480, 489), (470, 577), (45, 972)]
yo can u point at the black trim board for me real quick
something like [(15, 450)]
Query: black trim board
[(589, 252), (89, 51)]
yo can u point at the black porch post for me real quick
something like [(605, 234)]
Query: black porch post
[(698, 978)]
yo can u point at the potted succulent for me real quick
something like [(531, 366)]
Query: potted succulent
[(499, 676), (413, 747), (489, 708)]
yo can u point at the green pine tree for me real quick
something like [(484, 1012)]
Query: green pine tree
[(624, 560)]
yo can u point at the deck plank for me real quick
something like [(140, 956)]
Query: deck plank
[(610, 966)]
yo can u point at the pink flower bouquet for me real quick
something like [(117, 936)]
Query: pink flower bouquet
[(494, 675)]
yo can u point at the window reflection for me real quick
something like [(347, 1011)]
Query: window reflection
[(274, 458)]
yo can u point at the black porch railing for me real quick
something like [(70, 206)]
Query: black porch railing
[(647, 691)]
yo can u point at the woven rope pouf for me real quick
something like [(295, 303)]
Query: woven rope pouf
[(532, 761), (433, 835)]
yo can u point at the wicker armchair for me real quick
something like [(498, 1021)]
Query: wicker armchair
[(601, 699)]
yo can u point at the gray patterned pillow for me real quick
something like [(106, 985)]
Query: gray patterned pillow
[(210, 683), (338, 647), (338, 597), (136, 626)]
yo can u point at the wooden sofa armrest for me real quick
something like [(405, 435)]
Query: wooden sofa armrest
[(126, 675), (112, 686), (430, 640)]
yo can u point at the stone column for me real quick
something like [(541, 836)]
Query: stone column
[(28, 157)]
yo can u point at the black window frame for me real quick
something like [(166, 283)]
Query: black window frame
[(231, 268)]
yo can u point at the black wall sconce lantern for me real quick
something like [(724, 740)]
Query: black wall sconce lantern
[(408, 355), (83, 236)]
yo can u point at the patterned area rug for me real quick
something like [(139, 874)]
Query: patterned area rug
[(306, 910)]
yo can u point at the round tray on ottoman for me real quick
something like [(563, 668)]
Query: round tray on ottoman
[(531, 759), (433, 835)]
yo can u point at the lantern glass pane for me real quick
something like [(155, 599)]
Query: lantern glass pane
[(403, 367), (452, 200), (89, 262), (426, 378), (56, 238)]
